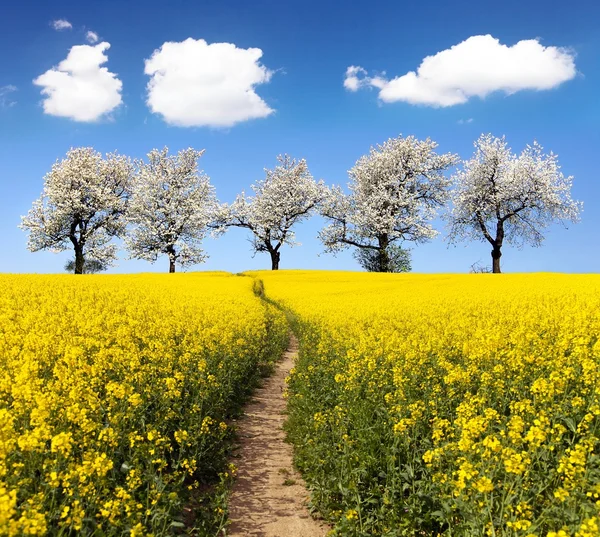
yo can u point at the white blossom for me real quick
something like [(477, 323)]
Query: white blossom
[(286, 196), (500, 197), (82, 206), (172, 205), (395, 191)]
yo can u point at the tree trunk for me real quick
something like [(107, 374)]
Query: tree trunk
[(496, 254), (275, 257), (497, 246), (383, 257), (172, 258), (79, 260), (77, 242)]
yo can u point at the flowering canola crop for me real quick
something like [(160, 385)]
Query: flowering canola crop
[(460, 405), (114, 392)]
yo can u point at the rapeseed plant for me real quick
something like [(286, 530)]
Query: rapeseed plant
[(462, 405), (115, 392)]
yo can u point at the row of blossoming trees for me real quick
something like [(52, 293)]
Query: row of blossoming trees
[(166, 206)]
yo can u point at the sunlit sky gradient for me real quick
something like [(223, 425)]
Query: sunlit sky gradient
[(306, 47)]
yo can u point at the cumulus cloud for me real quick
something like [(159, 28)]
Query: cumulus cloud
[(5, 96), (193, 83), (61, 24), (91, 37), (476, 67), (79, 88)]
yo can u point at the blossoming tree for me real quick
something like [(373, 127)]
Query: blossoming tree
[(82, 206), (285, 197), (172, 205), (501, 197), (395, 191)]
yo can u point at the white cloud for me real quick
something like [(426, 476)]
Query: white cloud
[(78, 88), (5, 99), (193, 83), (478, 66), (464, 121), (61, 24), (352, 82), (91, 37)]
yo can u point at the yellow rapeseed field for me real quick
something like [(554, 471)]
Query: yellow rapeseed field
[(114, 392), (460, 405), (456, 405)]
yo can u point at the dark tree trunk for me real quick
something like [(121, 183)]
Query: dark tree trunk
[(79, 259), (273, 251), (77, 242), (275, 257), (496, 254), (383, 257), (497, 247), (172, 258)]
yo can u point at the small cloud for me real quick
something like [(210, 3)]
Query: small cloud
[(356, 77), (194, 83), (5, 92), (464, 121), (79, 88), (92, 37), (476, 67), (61, 24)]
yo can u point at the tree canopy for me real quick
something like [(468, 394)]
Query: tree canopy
[(286, 196), (395, 192), (504, 198), (172, 205), (82, 206)]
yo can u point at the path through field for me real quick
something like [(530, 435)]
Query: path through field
[(269, 497)]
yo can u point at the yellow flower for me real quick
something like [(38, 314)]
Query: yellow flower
[(590, 527), (352, 514), (483, 485), (62, 443)]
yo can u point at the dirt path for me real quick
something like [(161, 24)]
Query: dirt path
[(269, 497)]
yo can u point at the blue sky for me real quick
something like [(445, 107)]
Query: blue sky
[(307, 46)]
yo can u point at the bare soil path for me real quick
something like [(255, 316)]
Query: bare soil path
[(269, 496)]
